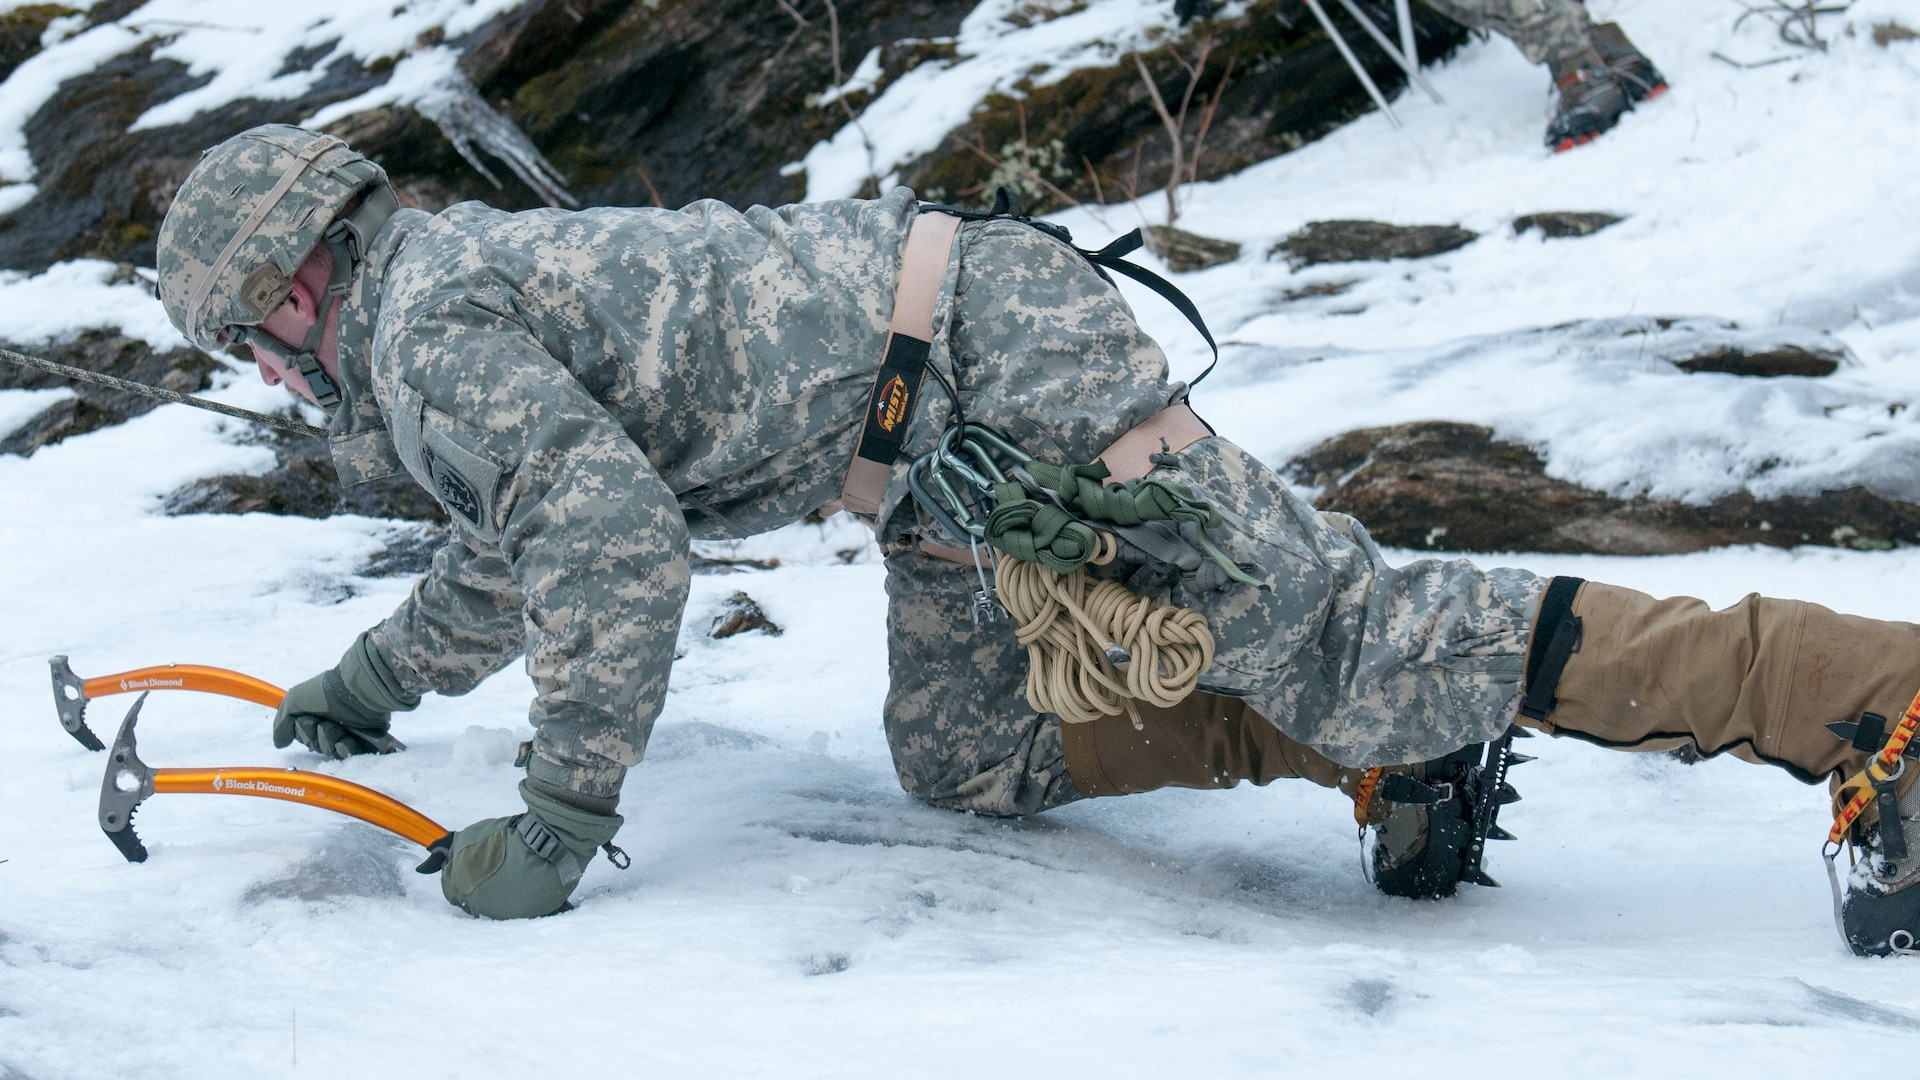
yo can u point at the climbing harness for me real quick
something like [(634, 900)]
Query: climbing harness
[(1095, 648), (903, 367)]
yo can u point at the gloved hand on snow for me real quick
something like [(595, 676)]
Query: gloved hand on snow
[(346, 709), (525, 866)]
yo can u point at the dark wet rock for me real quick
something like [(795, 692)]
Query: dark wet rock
[(1886, 33), (303, 483), (1767, 363), (718, 564), (1368, 241), (1317, 291), (1184, 252), (408, 551), (20, 31), (1454, 487), (1094, 136), (643, 102), (102, 188), (182, 370), (1560, 224), (742, 614)]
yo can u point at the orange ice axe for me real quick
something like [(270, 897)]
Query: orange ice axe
[(129, 782), (71, 694)]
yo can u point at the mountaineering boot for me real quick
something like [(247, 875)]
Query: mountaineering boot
[(1630, 67), (1590, 99), (1431, 821), (1761, 680), (1881, 912), (1210, 741)]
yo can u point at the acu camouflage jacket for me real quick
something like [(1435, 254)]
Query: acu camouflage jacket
[(565, 383)]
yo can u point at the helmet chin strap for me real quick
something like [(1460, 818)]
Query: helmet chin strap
[(347, 239)]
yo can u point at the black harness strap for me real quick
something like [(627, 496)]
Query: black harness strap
[(1006, 204), (1556, 637)]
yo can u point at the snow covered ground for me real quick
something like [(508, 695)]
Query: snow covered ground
[(790, 912)]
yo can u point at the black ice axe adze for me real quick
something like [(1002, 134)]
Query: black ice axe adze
[(129, 782)]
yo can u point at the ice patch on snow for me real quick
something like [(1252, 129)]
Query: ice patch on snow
[(359, 861)]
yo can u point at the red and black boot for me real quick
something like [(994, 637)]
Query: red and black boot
[(1590, 102), (1631, 68)]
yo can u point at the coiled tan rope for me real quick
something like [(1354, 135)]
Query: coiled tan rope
[(1066, 622)]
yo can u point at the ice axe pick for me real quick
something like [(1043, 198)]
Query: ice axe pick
[(71, 694), (129, 782)]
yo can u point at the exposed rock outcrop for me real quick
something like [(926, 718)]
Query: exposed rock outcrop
[(1367, 241), (1561, 224), (183, 370), (1453, 487), (643, 102), (303, 483)]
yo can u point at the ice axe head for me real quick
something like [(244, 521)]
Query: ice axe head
[(126, 785), (70, 700)]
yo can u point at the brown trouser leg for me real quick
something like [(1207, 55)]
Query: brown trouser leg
[(1759, 680), (1205, 741)]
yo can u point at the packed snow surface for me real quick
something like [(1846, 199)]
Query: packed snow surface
[(790, 912)]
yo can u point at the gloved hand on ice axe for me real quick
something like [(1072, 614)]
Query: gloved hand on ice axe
[(346, 709), (525, 866)]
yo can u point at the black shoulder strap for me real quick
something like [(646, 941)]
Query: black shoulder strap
[(1110, 257), (1006, 204)]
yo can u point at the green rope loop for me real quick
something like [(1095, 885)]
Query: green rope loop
[(1037, 531)]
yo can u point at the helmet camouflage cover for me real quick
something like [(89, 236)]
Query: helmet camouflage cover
[(252, 210)]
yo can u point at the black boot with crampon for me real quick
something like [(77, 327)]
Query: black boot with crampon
[(1589, 100), (1879, 911), (1431, 821)]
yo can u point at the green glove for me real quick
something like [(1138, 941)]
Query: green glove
[(344, 710), (525, 866)]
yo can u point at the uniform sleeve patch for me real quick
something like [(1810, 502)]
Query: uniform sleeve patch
[(464, 481)]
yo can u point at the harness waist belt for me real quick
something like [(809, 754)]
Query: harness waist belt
[(896, 389)]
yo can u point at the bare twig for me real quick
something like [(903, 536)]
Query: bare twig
[(866, 141), (1098, 195), (1206, 121), (651, 190), (1186, 165), (1797, 23)]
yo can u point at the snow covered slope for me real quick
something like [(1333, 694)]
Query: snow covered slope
[(791, 913)]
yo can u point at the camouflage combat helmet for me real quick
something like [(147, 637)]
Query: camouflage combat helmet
[(251, 212)]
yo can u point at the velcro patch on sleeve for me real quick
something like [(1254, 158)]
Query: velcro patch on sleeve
[(465, 479)]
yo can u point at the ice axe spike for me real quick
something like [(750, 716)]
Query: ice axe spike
[(70, 701), (129, 782), (71, 694)]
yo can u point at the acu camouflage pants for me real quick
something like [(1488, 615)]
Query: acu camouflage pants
[(1541, 29), (1364, 662)]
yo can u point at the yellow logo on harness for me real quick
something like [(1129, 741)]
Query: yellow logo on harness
[(893, 404)]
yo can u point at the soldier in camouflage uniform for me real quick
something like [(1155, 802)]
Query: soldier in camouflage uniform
[(1598, 75), (584, 391)]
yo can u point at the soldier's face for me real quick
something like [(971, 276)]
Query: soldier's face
[(274, 372), (290, 322)]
